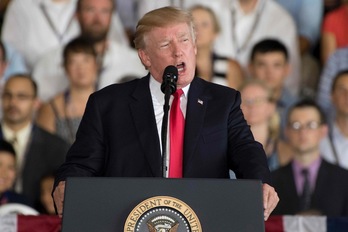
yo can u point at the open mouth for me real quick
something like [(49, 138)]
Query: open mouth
[(180, 67)]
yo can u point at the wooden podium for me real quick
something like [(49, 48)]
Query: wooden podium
[(109, 204)]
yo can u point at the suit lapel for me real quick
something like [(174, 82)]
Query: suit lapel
[(197, 104), (290, 181), (323, 177), (144, 119)]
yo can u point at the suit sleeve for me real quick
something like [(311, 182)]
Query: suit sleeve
[(86, 156), (247, 157)]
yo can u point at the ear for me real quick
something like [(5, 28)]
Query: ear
[(324, 130), (271, 108), (37, 104), (145, 59), (251, 68), (287, 70)]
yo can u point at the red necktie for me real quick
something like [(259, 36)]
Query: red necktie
[(176, 127)]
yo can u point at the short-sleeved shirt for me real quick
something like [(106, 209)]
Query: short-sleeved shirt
[(336, 22)]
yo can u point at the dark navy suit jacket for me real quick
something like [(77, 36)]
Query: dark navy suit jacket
[(118, 135), (44, 154), (330, 196)]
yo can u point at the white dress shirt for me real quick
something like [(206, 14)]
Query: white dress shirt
[(22, 138), (158, 103)]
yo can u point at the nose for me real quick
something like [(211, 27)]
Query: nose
[(177, 50)]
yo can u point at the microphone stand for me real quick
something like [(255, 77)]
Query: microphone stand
[(165, 129)]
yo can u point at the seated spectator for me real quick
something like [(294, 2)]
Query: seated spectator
[(54, 25), (46, 200), (259, 111), (211, 66), (337, 63), (334, 32), (8, 176), (309, 184), (269, 62), (334, 146), (38, 152), (307, 15), (115, 60), (62, 114)]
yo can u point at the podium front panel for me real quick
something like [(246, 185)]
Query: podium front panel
[(103, 204)]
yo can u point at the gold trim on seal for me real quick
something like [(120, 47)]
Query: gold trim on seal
[(164, 202)]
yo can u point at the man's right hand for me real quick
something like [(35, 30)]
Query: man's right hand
[(58, 197)]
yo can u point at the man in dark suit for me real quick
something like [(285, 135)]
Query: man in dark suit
[(119, 134), (309, 184), (38, 152)]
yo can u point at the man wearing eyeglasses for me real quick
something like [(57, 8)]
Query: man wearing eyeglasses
[(309, 184), (37, 151)]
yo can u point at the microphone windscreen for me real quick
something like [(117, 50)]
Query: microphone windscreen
[(171, 69), (170, 77)]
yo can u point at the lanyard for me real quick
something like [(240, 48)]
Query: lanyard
[(241, 47), (55, 31), (101, 63)]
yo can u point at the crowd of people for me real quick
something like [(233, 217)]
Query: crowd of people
[(288, 59)]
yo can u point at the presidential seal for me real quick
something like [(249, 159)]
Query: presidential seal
[(162, 214)]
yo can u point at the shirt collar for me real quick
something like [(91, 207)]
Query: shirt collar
[(22, 135), (155, 89), (312, 168)]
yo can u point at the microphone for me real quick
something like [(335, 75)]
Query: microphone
[(168, 87), (170, 77)]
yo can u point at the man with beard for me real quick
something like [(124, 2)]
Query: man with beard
[(309, 184), (115, 60), (38, 152)]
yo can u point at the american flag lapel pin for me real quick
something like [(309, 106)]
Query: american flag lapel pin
[(200, 101)]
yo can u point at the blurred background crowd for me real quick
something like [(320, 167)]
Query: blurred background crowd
[(288, 59)]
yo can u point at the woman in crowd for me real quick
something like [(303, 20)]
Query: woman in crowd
[(259, 110), (211, 66), (62, 115)]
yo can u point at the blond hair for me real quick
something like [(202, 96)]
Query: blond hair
[(274, 120), (257, 82), (161, 17)]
